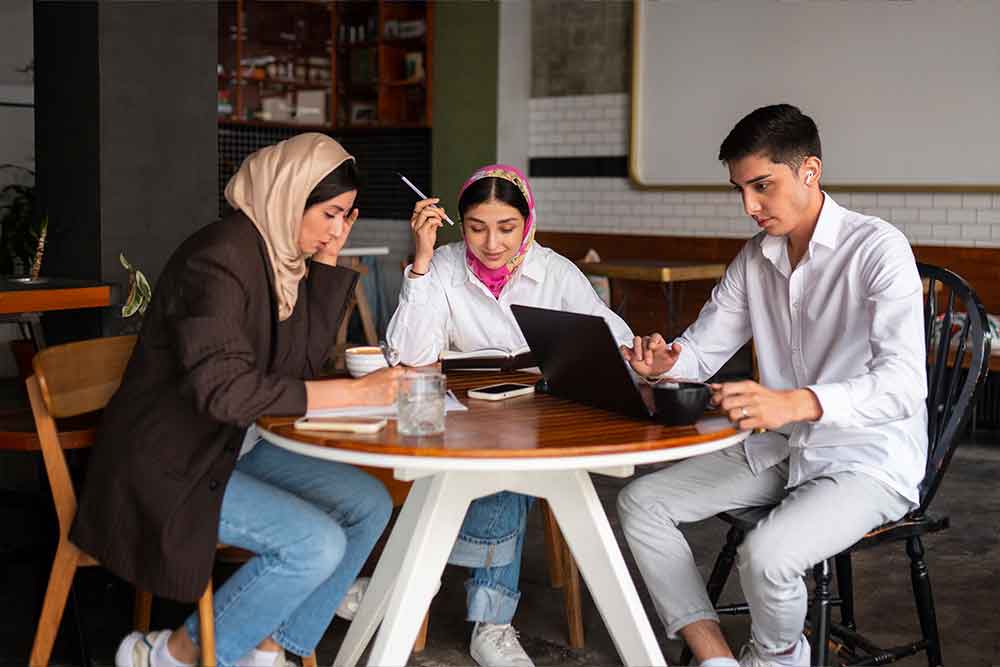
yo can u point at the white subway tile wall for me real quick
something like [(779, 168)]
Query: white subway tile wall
[(597, 125)]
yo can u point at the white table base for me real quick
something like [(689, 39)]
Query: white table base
[(406, 576)]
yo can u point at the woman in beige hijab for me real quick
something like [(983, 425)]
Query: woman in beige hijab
[(242, 319)]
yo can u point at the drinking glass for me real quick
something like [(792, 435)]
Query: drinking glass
[(420, 404)]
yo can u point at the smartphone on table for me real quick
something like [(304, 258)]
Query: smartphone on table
[(342, 424), (498, 392)]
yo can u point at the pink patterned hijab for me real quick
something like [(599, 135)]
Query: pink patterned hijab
[(495, 279)]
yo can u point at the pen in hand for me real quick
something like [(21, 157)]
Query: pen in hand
[(422, 195)]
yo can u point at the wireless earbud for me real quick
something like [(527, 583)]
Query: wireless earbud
[(809, 176)]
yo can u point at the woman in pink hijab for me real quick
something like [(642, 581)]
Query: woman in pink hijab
[(458, 297)]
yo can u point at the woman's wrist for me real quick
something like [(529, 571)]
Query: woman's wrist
[(323, 394), (420, 266)]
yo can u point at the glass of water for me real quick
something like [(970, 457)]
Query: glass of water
[(420, 404)]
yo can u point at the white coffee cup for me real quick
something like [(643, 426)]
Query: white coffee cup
[(364, 360)]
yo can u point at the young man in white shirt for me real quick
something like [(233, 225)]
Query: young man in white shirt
[(833, 302)]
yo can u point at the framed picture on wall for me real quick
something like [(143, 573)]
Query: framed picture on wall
[(362, 113)]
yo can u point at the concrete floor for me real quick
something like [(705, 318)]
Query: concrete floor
[(964, 564)]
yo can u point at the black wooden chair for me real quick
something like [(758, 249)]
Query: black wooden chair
[(958, 350)]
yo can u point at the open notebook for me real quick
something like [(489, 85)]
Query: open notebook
[(488, 359)]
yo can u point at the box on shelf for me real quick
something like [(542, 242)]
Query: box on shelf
[(278, 108), (311, 109)]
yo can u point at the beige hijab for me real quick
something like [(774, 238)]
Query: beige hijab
[(271, 188)]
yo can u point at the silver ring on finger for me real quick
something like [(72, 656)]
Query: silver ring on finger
[(743, 411)]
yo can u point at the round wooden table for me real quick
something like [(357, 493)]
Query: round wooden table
[(537, 445)]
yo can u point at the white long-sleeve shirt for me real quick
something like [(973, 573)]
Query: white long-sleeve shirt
[(846, 323), (449, 308)]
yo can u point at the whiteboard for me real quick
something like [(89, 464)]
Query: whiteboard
[(906, 93)]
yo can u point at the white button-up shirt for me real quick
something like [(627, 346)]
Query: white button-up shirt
[(451, 309), (846, 323)]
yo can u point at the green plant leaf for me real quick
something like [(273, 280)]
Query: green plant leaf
[(139, 291)]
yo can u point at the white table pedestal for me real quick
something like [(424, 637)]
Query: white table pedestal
[(406, 577)]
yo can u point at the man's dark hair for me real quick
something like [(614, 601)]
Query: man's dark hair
[(780, 132)]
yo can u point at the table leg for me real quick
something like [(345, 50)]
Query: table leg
[(668, 293), (414, 558), (365, 313), (585, 526), (376, 598), (442, 511)]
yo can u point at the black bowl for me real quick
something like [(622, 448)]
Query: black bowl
[(680, 403)]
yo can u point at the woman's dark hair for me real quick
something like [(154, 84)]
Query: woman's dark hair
[(781, 132), (493, 189), (342, 179)]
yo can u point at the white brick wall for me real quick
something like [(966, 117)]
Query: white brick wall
[(597, 125)]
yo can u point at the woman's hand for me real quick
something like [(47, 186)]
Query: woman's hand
[(378, 388), (328, 254), (427, 218), (651, 355)]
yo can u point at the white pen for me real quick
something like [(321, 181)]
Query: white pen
[(422, 195)]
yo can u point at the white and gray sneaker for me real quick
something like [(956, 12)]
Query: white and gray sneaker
[(355, 594), (497, 646), (136, 650), (752, 655)]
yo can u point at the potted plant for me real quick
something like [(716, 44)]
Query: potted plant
[(22, 228)]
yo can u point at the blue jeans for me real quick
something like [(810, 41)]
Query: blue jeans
[(490, 541), (312, 524)]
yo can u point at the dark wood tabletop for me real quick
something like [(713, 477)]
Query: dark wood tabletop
[(536, 425), (52, 294), (657, 271)]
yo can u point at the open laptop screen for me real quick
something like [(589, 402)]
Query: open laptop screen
[(580, 360)]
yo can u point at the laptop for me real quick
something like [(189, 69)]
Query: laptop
[(580, 360)]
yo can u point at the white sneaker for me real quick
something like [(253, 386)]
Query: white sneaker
[(136, 650), (752, 655), (352, 599), (497, 646), (355, 594), (257, 658)]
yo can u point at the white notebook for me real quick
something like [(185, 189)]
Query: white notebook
[(451, 404)]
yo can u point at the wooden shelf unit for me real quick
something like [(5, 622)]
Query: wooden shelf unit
[(272, 53)]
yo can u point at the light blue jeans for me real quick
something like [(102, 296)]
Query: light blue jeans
[(312, 524), (490, 542)]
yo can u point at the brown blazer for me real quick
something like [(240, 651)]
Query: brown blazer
[(211, 358)]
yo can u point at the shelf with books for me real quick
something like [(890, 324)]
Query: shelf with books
[(370, 60)]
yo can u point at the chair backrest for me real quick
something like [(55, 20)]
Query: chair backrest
[(81, 377), (70, 380), (956, 331)]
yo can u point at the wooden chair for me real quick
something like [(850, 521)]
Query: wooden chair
[(358, 300), (69, 381), (563, 572), (18, 434), (957, 363)]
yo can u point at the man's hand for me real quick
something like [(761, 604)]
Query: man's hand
[(750, 406), (650, 355)]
